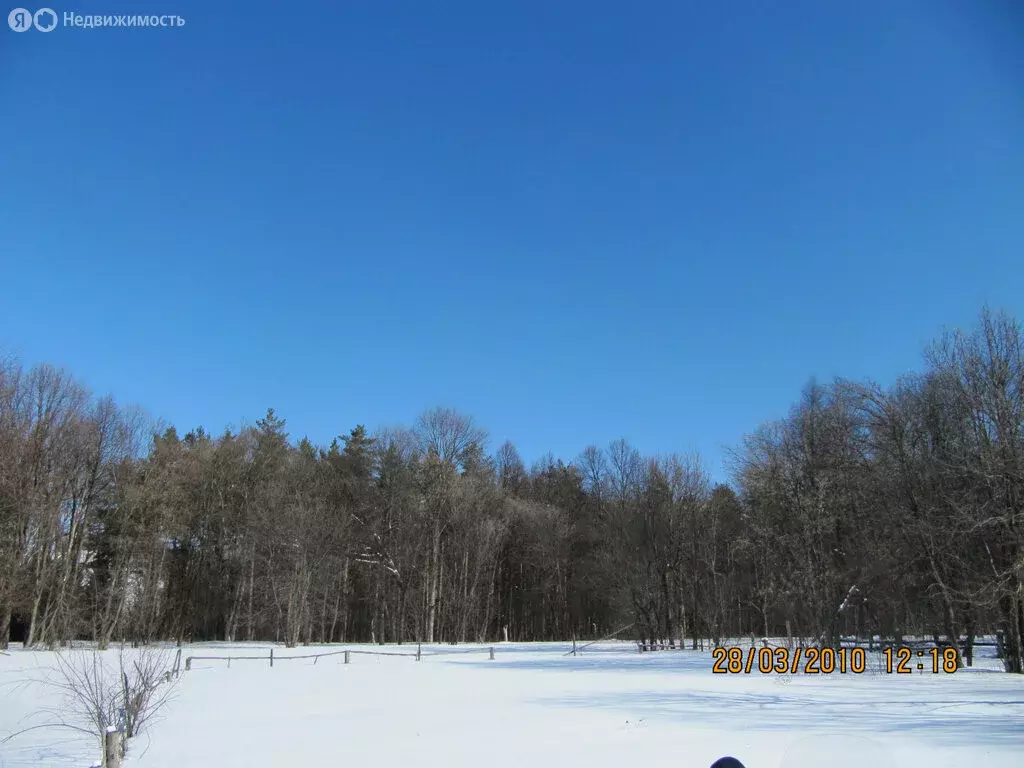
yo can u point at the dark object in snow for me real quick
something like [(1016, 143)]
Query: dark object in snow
[(727, 762)]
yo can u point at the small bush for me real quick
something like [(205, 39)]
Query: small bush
[(97, 694)]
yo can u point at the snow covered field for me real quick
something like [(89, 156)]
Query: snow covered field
[(534, 706)]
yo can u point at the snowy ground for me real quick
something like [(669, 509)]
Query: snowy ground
[(534, 706)]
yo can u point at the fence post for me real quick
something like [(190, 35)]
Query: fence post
[(188, 664), (419, 650), (271, 657), (346, 657), (492, 653), (112, 748), (229, 662)]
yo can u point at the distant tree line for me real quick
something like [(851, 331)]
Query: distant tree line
[(868, 510)]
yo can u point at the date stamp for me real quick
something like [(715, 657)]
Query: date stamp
[(828, 661)]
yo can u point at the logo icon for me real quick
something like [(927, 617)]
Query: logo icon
[(20, 20), (45, 20)]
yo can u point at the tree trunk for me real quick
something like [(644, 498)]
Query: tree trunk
[(464, 623), (33, 627), (666, 618), (433, 577), (249, 629), (1013, 629), (5, 628)]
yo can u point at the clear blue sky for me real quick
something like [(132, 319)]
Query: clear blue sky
[(575, 221)]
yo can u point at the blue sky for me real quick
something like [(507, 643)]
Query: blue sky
[(575, 221)]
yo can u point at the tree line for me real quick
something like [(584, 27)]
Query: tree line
[(869, 510)]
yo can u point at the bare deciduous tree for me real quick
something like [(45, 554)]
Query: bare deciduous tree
[(868, 509)]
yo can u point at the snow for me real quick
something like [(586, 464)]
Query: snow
[(26, 702), (533, 705)]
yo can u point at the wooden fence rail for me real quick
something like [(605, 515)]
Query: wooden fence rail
[(611, 636), (418, 654)]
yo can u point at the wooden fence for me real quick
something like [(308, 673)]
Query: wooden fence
[(347, 652), (580, 648)]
